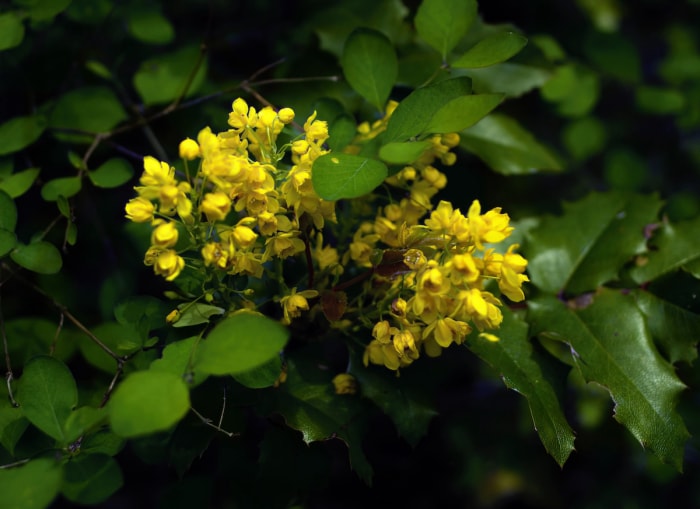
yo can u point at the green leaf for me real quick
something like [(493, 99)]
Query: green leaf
[(163, 79), (112, 173), (462, 112), (524, 371), (196, 313), (62, 186), (91, 479), (413, 115), (660, 101), (442, 23), (142, 313), (147, 24), (47, 394), (177, 359), (493, 49), (8, 241), (44, 10), (336, 176), (590, 243), (122, 339), (19, 183), (675, 329), (8, 212), (83, 420), (262, 376), (11, 31), (575, 90), (508, 78), (20, 132), (33, 485), (147, 402), (30, 336), (405, 152), (613, 54), (611, 345), (342, 131), (98, 69), (240, 343), (507, 147), (676, 244), (12, 425), (90, 109), (370, 65), (41, 257), (584, 137)]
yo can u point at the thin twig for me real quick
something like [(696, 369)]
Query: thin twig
[(209, 423), (52, 349), (15, 464), (8, 364)]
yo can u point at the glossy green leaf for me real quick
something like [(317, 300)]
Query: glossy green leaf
[(20, 132), (82, 420), (47, 395), (405, 152), (42, 257), (177, 359), (91, 479), (62, 186), (504, 145), (262, 376), (590, 243), (676, 330), (33, 485), (196, 313), (524, 371), (164, 78), (12, 425), (370, 65), (19, 183), (413, 116), (148, 25), (337, 176), (675, 244), (147, 402), (508, 78), (240, 343), (442, 23), (8, 212), (11, 30), (462, 112), (89, 109), (112, 173), (309, 404), (493, 49), (611, 345)]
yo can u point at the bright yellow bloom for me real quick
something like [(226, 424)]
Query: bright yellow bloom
[(157, 173), (140, 210), (165, 235), (344, 383), (215, 206), (286, 115), (189, 149), (168, 264), (447, 331), (294, 303), (243, 236)]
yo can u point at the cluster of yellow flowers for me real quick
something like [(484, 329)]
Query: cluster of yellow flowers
[(242, 208)]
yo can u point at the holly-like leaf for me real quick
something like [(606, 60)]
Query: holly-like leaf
[(611, 345), (506, 147), (524, 371), (337, 176), (47, 395), (491, 50), (589, 244), (442, 23), (370, 65), (675, 245)]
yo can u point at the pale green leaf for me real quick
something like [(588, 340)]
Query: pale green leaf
[(493, 49), (19, 183), (442, 23), (41, 257), (336, 176), (33, 485), (20, 132), (147, 402)]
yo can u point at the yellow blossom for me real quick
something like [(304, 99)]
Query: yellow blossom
[(168, 264), (215, 206), (189, 149), (286, 115), (344, 383), (165, 235), (140, 210), (294, 303)]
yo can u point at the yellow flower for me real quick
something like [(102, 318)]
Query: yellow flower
[(243, 236), (139, 210), (165, 235), (189, 149), (447, 330), (173, 316), (157, 173), (215, 206), (405, 344), (168, 264), (294, 303), (286, 115), (344, 383)]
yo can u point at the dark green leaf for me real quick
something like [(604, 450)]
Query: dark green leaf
[(660, 101), (575, 90), (177, 359), (8, 212), (614, 54), (196, 313), (611, 346), (590, 243), (462, 112), (262, 376), (148, 25), (90, 109), (19, 183), (112, 173), (62, 186), (47, 395), (342, 131), (12, 425), (41, 257), (82, 420), (405, 152), (676, 244), (164, 79), (91, 479), (43, 10), (584, 137), (33, 485), (8, 241), (30, 336), (142, 313), (20, 132), (98, 69), (414, 114), (11, 30), (442, 23), (147, 402), (370, 65), (63, 206), (507, 147), (337, 176), (122, 339), (508, 78), (240, 343), (524, 371), (676, 330), (491, 50)]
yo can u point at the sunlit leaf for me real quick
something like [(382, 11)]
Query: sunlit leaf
[(147, 402), (47, 395), (62, 186), (370, 65), (163, 79), (462, 112), (19, 485), (19, 183), (491, 50), (442, 23), (611, 345), (42, 257), (112, 173), (337, 176), (20, 132), (11, 30)]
